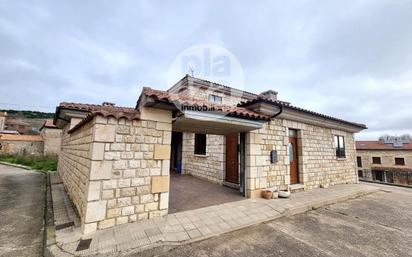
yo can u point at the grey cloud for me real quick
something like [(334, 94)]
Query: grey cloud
[(353, 61)]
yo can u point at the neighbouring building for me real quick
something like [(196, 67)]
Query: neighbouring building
[(52, 137), (115, 162), (387, 160), (21, 144), (18, 125), (2, 120)]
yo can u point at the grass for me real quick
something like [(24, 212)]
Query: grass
[(42, 163)]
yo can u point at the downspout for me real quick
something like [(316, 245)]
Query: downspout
[(280, 110)]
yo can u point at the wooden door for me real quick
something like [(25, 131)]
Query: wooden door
[(293, 158), (232, 159)]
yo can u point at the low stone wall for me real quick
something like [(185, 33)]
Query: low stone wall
[(21, 145), (210, 166)]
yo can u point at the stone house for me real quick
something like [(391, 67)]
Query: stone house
[(116, 162), (2, 120), (52, 137), (385, 161), (18, 125)]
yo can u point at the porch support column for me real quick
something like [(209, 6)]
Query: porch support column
[(256, 177)]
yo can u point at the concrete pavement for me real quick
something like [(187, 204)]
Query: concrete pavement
[(188, 226), (375, 225), (22, 200)]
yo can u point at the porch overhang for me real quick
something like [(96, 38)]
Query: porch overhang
[(213, 123)]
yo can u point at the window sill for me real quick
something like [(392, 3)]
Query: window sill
[(201, 155), (341, 158)]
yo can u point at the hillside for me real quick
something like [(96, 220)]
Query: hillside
[(34, 118)]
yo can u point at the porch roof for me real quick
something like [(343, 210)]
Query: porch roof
[(159, 98)]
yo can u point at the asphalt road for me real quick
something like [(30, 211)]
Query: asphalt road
[(376, 225), (22, 199)]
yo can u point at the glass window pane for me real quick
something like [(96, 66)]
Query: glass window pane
[(291, 152), (341, 142)]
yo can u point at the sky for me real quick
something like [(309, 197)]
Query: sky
[(348, 59)]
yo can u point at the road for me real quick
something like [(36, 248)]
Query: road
[(22, 200), (375, 225)]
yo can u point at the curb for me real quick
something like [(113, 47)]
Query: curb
[(49, 227), (15, 165)]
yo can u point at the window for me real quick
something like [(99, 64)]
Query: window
[(359, 161), (200, 144), (399, 161), (376, 160), (215, 99), (360, 173), (340, 146)]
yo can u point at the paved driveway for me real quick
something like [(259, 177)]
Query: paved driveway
[(22, 199), (376, 225)]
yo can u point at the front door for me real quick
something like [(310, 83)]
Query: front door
[(232, 163), (293, 157)]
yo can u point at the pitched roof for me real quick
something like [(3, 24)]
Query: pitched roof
[(102, 110), (180, 100), (31, 138), (379, 145), (287, 105), (190, 79), (48, 124)]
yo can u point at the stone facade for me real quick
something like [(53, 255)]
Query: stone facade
[(117, 171), (210, 166), (52, 140), (2, 120), (399, 174), (318, 164)]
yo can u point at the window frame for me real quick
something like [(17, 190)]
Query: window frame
[(400, 164), (359, 161), (340, 149), (200, 144), (212, 99)]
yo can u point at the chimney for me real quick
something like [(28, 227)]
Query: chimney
[(108, 104), (269, 95)]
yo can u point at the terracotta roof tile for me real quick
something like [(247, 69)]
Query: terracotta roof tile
[(379, 145), (180, 100), (105, 111), (289, 106), (48, 124), (31, 138)]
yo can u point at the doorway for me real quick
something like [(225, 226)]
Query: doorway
[(232, 159), (176, 152), (293, 157)]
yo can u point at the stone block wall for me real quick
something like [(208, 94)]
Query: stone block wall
[(75, 163), (18, 147), (52, 140), (318, 164), (387, 160), (117, 170), (210, 166)]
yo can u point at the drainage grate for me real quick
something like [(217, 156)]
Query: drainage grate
[(83, 244), (65, 225)]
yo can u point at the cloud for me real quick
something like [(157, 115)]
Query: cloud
[(352, 61)]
